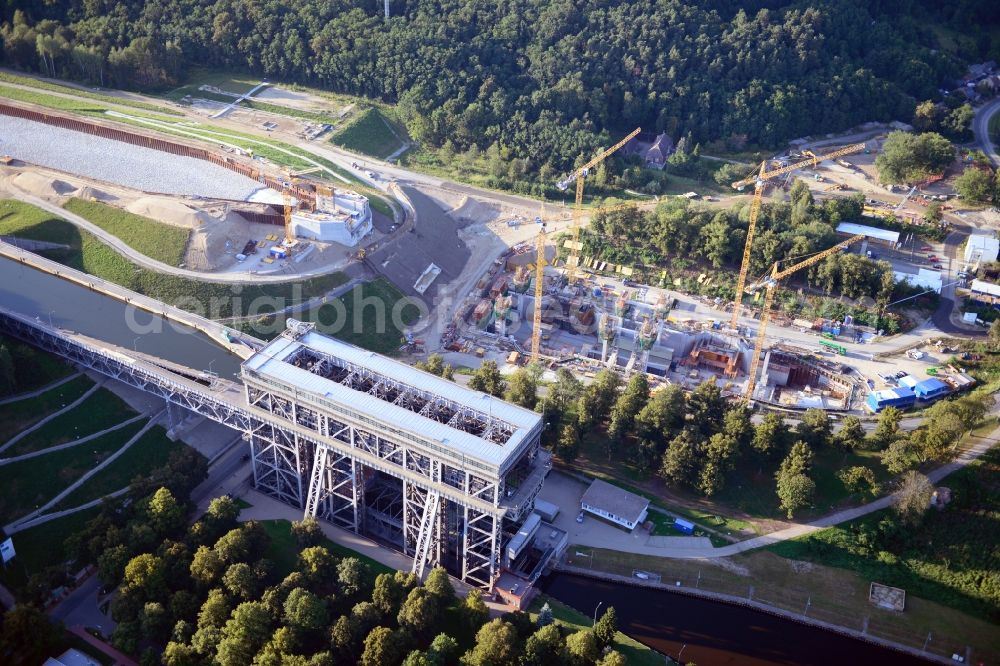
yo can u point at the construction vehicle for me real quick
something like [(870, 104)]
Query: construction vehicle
[(759, 181), (770, 284), (574, 253)]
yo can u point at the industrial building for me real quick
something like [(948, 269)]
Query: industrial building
[(900, 397), (445, 474), (872, 234), (340, 216), (981, 248)]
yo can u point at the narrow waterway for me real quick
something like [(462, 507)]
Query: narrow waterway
[(69, 306), (713, 633)]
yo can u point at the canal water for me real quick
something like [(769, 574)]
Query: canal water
[(713, 633), (65, 304)]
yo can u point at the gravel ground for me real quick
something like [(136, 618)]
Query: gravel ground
[(132, 166)]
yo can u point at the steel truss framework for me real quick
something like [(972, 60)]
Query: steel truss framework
[(311, 461)]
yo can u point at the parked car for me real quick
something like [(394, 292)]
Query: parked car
[(926, 248), (579, 517), (937, 266)]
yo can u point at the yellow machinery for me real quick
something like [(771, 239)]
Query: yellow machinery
[(536, 326), (758, 182), (286, 197), (574, 253), (770, 283)]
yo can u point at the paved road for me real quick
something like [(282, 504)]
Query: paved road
[(981, 129), (158, 266), (700, 548), (942, 316)]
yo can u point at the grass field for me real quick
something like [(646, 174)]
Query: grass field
[(7, 77), (951, 558), (30, 483), (90, 255), (635, 652), (42, 546), (33, 369), (832, 594), (284, 551), (156, 240), (150, 452), (369, 134), (356, 317), (101, 410), (17, 416)]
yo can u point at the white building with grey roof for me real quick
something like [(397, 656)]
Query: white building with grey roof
[(615, 504), (444, 473)]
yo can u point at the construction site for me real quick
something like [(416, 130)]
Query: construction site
[(245, 214), (569, 313)]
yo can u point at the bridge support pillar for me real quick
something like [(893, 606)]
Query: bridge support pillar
[(278, 463), (335, 489)]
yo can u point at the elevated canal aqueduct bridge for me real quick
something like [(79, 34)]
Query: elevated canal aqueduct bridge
[(446, 474)]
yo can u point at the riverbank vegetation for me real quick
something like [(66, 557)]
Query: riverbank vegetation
[(23, 369), (163, 242), (946, 555), (827, 593), (87, 253)]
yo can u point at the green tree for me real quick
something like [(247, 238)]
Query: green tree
[(145, 574), (215, 611), (583, 647), (859, 480), (206, 566), (387, 594), (419, 613), (706, 407), (496, 645), (351, 575), (975, 185), (382, 648), (307, 532), (111, 564), (902, 454), (606, 628), (522, 387), (795, 491), (771, 436), (241, 582), (474, 610), (439, 585), (719, 459), (244, 634), (815, 428), (631, 400), (994, 335), (612, 658), (319, 566), (444, 650), (907, 158), (545, 647), (888, 427), (305, 610), (933, 214), (27, 636), (487, 379), (851, 435), (164, 514), (569, 442), (545, 617), (679, 460), (663, 416)]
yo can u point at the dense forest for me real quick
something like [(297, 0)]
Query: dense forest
[(545, 82)]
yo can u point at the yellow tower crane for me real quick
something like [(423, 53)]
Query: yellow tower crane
[(286, 198), (770, 283), (759, 182), (536, 326), (579, 175)]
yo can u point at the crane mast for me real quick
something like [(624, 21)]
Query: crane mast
[(759, 181), (536, 325), (771, 284), (574, 251)]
